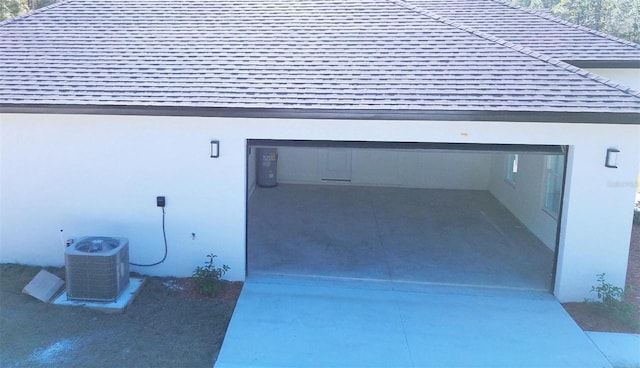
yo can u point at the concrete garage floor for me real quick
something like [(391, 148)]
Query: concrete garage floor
[(406, 236)]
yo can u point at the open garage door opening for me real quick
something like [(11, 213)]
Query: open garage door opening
[(463, 214)]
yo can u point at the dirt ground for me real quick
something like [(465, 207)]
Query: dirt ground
[(166, 325)]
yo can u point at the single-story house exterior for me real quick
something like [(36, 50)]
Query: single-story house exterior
[(105, 106)]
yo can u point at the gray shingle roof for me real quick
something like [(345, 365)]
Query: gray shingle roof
[(364, 55), (534, 29)]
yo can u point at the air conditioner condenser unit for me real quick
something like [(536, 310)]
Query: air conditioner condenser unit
[(97, 268)]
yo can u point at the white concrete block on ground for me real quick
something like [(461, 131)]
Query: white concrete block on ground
[(44, 286)]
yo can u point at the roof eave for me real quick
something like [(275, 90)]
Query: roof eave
[(337, 114), (605, 64)]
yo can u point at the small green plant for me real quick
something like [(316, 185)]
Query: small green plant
[(207, 278), (607, 294), (610, 300)]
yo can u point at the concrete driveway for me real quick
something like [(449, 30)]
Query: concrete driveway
[(291, 322)]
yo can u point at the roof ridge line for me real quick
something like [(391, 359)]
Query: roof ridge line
[(33, 12), (555, 19), (519, 48)]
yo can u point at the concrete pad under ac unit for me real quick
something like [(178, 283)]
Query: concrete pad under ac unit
[(118, 306)]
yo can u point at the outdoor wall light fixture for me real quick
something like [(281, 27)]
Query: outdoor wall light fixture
[(215, 149), (612, 158)]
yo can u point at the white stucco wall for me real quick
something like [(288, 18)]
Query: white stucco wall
[(392, 167), (629, 77), (99, 175), (525, 198), (595, 234)]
